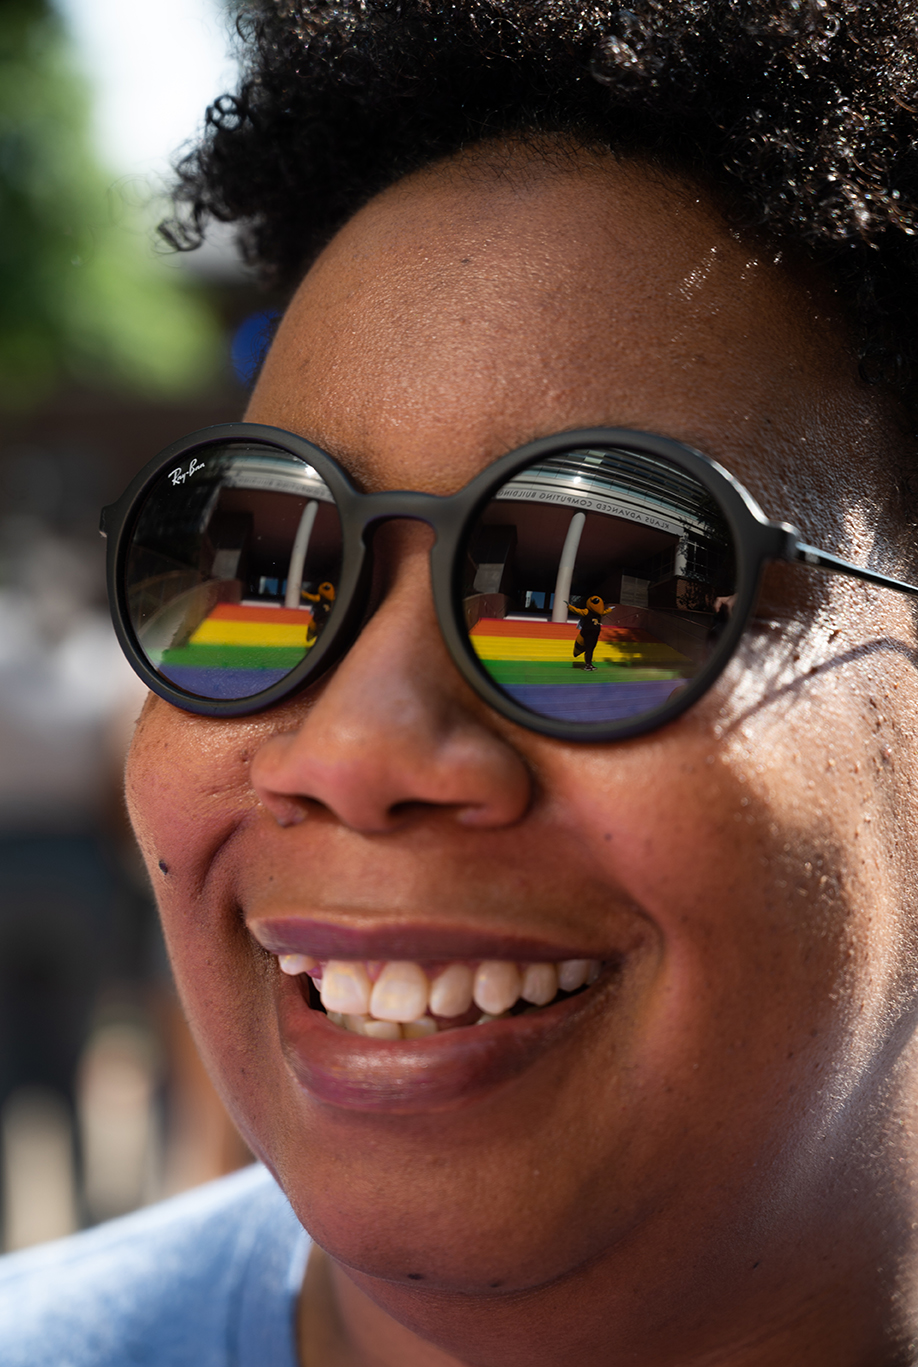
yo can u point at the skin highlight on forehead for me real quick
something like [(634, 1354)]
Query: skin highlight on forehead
[(622, 279)]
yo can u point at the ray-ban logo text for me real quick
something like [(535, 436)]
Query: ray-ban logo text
[(179, 476)]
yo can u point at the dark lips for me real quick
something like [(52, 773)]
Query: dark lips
[(434, 1073)]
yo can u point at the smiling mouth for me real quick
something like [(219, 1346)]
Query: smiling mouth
[(408, 1000), (413, 1017)]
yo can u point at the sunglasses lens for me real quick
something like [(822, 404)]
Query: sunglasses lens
[(597, 584), (232, 568)]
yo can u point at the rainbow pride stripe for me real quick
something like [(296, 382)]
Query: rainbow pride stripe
[(238, 650), (241, 649), (534, 662)]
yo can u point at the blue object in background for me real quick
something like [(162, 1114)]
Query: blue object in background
[(250, 343)]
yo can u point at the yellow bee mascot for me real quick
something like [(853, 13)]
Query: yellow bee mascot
[(324, 601), (588, 634)]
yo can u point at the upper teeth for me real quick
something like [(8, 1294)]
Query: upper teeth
[(402, 991)]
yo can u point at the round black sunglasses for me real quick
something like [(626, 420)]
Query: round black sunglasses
[(589, 586)]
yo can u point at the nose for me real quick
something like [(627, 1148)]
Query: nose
[(395, 732)]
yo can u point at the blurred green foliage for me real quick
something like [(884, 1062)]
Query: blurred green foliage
[(83, 297)]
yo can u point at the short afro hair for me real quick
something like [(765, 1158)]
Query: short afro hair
[(804, 111)]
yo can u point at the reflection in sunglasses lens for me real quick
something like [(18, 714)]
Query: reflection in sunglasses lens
[(597, 583), (232, 569)]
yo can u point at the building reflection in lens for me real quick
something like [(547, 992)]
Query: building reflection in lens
[(232, 570), (594, 582)]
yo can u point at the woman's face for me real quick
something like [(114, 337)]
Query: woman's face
[(710, 1124)]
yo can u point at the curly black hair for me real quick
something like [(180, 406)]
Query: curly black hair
[(804, 111)]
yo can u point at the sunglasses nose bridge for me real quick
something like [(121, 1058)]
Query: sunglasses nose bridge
[(401, 505), (443, 514)]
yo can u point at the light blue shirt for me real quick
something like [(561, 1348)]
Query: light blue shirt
[(207, 1279)]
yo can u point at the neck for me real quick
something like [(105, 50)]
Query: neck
[(341, 1325)]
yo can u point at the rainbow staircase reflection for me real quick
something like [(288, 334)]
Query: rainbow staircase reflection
[(239, 650), (534, 662)]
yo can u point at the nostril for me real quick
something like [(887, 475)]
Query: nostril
[(482, 814), (287, 811)]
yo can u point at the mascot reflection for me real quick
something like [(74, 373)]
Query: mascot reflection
[(323, 601), (590, 626)]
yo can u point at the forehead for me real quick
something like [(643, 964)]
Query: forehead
[(507, 294)]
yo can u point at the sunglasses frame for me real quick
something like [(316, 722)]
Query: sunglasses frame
[(452, 517)]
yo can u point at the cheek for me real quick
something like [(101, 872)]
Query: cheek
[(187, 792), (754, 853), (186, 787)]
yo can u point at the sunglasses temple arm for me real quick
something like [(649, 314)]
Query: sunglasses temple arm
[(821, 560)]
